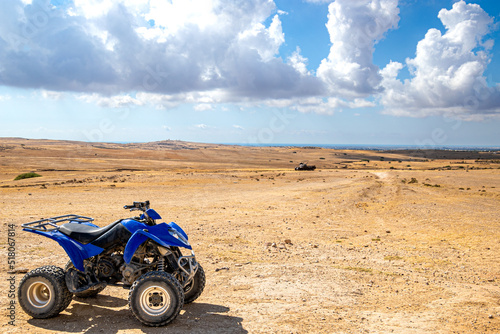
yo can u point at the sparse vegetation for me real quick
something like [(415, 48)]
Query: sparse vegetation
[(26, 176), (413, 180)]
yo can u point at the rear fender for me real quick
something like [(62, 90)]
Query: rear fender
[(76, 251), (159, 234)]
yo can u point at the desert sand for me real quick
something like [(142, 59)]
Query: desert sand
[(369, 242)]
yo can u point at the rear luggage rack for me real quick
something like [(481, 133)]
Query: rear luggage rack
[(50, 224)]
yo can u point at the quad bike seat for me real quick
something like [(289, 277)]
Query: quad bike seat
[(85, 233)]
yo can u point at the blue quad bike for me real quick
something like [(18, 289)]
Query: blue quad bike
[(133, 252)]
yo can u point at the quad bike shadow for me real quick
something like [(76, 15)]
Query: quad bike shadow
[(100, 315)]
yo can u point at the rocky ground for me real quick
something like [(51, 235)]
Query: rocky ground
[(370, 242)]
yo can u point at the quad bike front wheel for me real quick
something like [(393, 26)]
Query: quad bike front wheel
[(156, 298), (194, 288), (43, 293)]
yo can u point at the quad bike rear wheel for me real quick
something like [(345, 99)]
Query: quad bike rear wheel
[(194, 289), (89, 292), (156, 298), (43, 293)]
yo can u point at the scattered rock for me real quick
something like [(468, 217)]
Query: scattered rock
[(223, 268)]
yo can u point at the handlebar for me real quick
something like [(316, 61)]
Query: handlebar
[(143, 206)]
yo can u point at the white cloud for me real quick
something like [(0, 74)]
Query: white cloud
[(319, 1), (51, 95), (239, 127), (203, 107), (201, 126), (206, 52), (156, 47), (330, 105), (118, 101), (5, 97), (297, 61), (355, 27), (447, 71)]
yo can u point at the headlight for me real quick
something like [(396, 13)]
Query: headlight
[(178, 236)]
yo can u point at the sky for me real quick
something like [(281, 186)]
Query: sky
[(363, 72)]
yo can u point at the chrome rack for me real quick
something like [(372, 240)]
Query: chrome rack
[(51, 224)]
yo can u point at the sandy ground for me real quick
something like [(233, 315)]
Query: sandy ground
[(370, 242)]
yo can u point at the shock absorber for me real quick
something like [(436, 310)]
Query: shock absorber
[(161, 264)]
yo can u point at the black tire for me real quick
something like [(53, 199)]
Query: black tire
[(194, 289), (92, 292), (43, 293), (156, 298)]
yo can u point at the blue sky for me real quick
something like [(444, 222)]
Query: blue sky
[(404, 72)]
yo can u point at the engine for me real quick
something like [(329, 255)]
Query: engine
[(107, 267)]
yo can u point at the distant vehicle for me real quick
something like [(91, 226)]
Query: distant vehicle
[(304, 166)]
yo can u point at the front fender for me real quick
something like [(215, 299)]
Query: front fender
[(158, 233)]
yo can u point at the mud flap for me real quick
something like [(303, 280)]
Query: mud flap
[(77, 281)]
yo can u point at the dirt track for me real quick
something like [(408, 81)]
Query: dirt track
[(355, 249)]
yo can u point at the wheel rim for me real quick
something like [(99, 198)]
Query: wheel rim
[(39, 294), (155, 300)]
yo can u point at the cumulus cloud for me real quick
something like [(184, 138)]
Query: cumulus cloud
[(151, 46), (125, 53), (447, 73), (297, 61), (355, 27)]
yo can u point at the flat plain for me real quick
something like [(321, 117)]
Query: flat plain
[(369, 242)]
